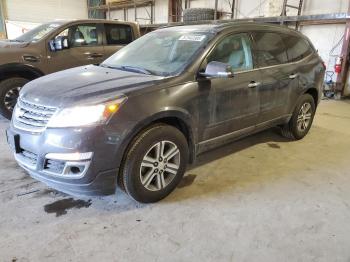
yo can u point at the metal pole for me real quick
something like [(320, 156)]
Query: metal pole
[(3, 33), (135, 11), (299, 13), (233, 9), (216, 10), (284, 11), (152, 15), (341, 77)]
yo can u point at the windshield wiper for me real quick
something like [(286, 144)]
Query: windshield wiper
[(137, 69), (130, 68)]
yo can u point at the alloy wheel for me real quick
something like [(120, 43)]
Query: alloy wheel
[(304, 117), (11, 97), (160, 165)]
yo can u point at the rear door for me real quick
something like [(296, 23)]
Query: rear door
[(234, 102), (278, 75), (297, 49), (116, 36), (85, 47)]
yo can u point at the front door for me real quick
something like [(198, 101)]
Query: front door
[(85, 47), (234, 102)]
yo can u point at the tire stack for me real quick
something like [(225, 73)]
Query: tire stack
[(198, 14)]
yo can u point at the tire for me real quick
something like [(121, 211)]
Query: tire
[(135, 169), (198, 14), (9, 92), (292, 129)]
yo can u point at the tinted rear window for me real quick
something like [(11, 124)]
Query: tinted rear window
[(297, 48), (270, 49), (118, 34)]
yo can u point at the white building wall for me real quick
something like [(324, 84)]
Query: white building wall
[(41, 11), (25, 15)]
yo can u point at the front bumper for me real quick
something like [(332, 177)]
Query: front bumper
[(96, 174)]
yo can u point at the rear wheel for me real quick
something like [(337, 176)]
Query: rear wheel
[(9, 92), (154, 164), (301, 120)]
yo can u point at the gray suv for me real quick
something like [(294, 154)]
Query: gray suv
[(56, 46), (142, 115)]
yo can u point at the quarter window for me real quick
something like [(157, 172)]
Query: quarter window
[(234, 50), (118, 34), (297, 48), (270, 49)]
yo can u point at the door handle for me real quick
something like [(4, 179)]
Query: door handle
[(292, 76), (93, 55), (253, 84), (30, 58)]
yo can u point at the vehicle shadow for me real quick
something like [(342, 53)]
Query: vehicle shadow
[(270, 136), (121, 202), (217, 181)]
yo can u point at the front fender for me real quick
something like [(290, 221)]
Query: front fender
[(19, 69), (136, 127)]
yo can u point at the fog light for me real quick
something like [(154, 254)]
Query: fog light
[(75, 170), (70, 156)]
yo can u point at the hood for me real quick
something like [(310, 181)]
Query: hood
[(86, 84), (12, 44)]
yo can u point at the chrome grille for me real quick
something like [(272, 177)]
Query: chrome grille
[(32, 117)]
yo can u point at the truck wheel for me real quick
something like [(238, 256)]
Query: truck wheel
[(154, 164), (301, 120), (9, 92)]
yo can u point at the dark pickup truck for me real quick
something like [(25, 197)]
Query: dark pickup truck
[(57, 46)]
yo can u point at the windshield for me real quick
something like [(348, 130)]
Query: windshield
[(37, 33), (161, 52)]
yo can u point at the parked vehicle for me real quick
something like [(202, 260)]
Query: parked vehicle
[(139, 117), (56, 46)]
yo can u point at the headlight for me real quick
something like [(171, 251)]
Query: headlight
[(85, 115)]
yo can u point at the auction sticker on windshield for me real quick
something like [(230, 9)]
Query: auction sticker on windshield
[(197, 38)]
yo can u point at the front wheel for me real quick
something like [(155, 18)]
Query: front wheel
[(9, 92), (154, 164), (301, 120)]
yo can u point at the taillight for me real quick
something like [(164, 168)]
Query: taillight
[(324, 65)]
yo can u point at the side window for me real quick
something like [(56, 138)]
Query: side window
[(118, 34), (81, 35), (234, 50), (270, 49), (297, 48), (63, 33)]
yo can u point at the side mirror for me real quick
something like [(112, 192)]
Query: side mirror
[(59, 43), (218, 70)]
